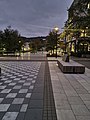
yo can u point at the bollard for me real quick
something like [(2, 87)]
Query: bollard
[(0, 70)]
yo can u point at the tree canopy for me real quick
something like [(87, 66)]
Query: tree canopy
[(10, 40)]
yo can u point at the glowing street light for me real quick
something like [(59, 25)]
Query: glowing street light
[(88, 6)]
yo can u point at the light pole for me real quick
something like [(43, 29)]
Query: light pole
[(65, 42), (56, 29)]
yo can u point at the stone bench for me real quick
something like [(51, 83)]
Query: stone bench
[(71, 67)]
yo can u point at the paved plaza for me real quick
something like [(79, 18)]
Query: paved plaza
[(16, 85), (36, 89)]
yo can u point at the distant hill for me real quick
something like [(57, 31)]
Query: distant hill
[(33, 38)]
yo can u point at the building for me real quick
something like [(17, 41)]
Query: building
[(77, 27)]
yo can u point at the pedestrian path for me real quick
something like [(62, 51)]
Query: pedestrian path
[(71, 94)]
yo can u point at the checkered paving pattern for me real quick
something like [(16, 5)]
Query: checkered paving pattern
[(17, 82)]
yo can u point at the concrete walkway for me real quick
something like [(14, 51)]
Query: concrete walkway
[(71, 94)]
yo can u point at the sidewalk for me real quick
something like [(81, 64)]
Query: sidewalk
[(71, 94)]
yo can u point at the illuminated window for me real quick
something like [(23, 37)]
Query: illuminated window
[(88, 5)]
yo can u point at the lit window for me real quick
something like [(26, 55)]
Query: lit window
[(88, 5)]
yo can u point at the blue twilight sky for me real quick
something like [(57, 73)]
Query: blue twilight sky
[(33, 17)]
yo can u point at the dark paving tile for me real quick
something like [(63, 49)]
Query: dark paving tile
[(38, 89), (7, 100), (14, 108), (21, 116), (36, 104), (21, 95), (1, 115), (25, 87), (30, 90), (26, 100), (9, 87), (14, 91), (37, 96), (33, 114), (3, 95)]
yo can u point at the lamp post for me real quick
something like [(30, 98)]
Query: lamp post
[(56, 29), (65, 42)]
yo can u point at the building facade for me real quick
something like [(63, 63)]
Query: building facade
[(77, 27)]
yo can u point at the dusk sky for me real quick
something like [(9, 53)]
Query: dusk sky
[(33, 17)]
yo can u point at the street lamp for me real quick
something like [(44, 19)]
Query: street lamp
[(56, 29)]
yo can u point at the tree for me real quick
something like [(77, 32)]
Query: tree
[(51, 41), (1, 40), (12, 40)]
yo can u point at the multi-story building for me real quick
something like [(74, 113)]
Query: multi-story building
[(77, 27)]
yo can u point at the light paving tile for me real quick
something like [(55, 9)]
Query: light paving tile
[(9, 75), (56, 90), (10, 116), (0, 83), (11, 95), (31, 75), (65, 115), (28, 95), (59, 96), (13, 77), (85, 97), (18, 101), (1, 99), (17, 79), (35, 77), (29, 79), (17, 87), (23, 90), (4, 79), (80, 110), (8, 81), (21, 81), (25, 77), (75, 100), (20, 75), (83, 117), (31, 87), (12, 84), (62, 105), (26, 84), (71, 93), (24, 108), (6, 91), (81, 91), (33, 81), (4, 107), (87, 103), (27, 73)]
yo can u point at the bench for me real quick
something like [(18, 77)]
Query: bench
[(71, 67)]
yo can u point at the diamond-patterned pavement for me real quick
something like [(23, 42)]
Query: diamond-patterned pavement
[(17, 82)]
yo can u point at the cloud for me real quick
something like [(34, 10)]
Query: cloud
[(33, 17)]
